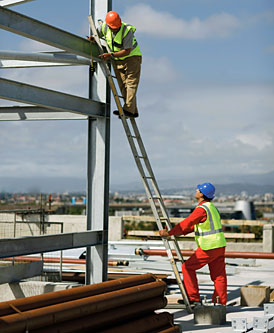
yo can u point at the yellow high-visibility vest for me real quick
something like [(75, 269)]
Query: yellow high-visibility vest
[(116, 44), (209, 234)]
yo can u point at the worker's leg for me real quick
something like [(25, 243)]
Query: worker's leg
[(195, 262), (218, 276), (119, 68), (133, 71)]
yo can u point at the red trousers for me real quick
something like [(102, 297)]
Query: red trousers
[(216, 261)]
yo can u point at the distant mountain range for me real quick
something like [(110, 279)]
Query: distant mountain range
[(252, 184)]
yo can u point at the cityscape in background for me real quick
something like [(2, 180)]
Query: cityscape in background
[(179, 203)]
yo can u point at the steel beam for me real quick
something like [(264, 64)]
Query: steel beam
[(28, 94), (98, 165), (13, 113), (12, 59), (48, 243), (6, 64), (9, 3), (47, 34)]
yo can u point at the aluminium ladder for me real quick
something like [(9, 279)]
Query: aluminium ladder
[(147, 175)]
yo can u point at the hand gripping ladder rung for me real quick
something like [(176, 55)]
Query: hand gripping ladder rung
[(170, 244)]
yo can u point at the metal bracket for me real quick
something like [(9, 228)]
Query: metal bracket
[(241, 325), (264, 324), (269, 309)]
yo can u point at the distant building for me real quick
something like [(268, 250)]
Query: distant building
[(241, 210)]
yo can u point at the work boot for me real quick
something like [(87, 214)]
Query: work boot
[(126, 113)]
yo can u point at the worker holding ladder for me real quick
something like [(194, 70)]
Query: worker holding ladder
[(126, 56), (206, 223)]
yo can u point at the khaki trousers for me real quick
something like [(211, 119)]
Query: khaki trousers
[(128, 73)]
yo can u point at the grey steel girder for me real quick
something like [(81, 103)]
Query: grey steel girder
[(47, 34), (13, 113), (15, 59), (9, 3), (28, 94), (40, 244), (6, 64)]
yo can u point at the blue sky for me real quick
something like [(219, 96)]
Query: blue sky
[(205, 98)]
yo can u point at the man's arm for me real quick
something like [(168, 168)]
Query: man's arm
[(118, 54), (187, 225)]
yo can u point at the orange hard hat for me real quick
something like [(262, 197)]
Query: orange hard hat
[(113, 20)]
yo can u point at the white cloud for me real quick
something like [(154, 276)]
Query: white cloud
[(163, 24), (53, 148), (29, 45), (258, 140), (212, 130), (157, 70)]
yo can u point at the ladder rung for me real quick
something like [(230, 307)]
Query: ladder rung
[(114, 76), (118, 96), (140, 156), (178, 260)]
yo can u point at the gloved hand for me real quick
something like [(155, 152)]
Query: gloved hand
[(91, 39)]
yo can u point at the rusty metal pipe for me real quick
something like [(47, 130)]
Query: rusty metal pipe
[(118, 263), (80, 276), (188, 253), (110, 317), (145, 324), (57, 313), (51, 298), (64, 260)]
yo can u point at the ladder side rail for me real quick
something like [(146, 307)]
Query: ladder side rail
[(118, 103), (179, 279), (140, 167), (156, 188), (150, 171)]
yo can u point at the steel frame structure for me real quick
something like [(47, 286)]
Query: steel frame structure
[(50, 105)]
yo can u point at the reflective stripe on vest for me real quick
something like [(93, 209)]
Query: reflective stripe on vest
[(116, 44), (212, 230)]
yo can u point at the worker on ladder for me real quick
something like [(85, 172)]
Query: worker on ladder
[(206, 223), (126, 56)]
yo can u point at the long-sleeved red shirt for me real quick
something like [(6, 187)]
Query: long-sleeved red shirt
[(187, 225)]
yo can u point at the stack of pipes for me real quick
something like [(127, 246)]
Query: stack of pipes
[(124, 305)]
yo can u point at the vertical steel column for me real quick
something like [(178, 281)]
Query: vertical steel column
[(98, 164)]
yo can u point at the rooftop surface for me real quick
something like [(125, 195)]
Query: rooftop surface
[(262, 273)]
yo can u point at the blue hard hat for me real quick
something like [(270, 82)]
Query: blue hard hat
[(207, 189)]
